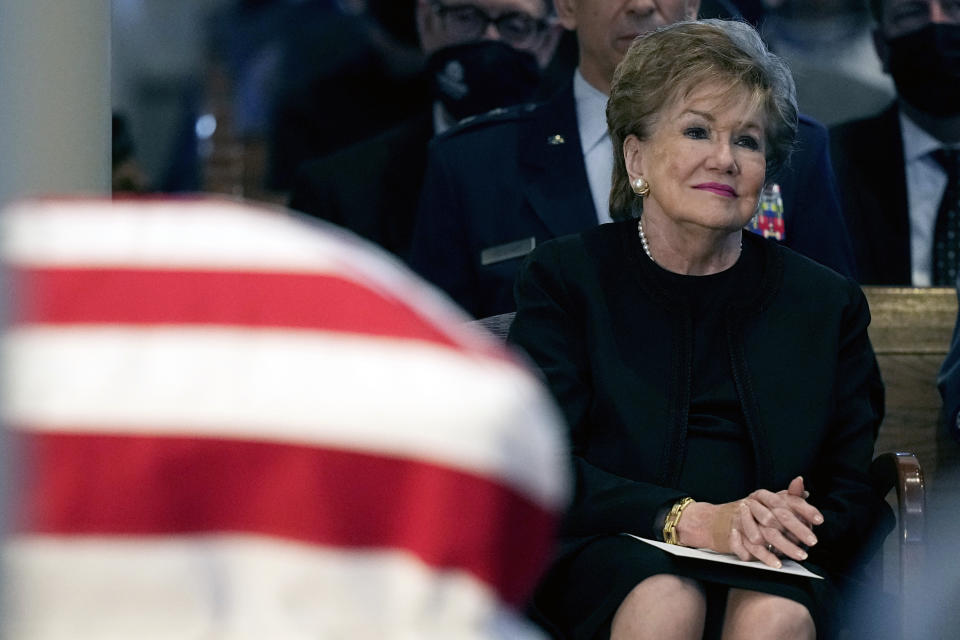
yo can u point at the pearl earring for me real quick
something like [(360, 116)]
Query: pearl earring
[(641, 187)]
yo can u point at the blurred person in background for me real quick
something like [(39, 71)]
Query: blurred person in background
[(936, 604), (343, 76), (898, 170), (126, 174), (290, 78), (481, 55), (157, 54), (829, 47)]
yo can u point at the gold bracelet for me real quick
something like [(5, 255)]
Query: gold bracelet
[(670, 524)]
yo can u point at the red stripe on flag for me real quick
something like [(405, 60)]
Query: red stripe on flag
[(76, 484), (290, 300)]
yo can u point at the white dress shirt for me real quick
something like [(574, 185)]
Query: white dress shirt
[(595, 142), (926, 181)]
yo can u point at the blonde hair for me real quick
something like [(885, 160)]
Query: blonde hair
[(666, 65)]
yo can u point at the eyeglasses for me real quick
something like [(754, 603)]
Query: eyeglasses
[(908, 16), (468, 22)]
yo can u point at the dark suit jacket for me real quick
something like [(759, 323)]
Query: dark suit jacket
[(520, 174), (372, 187), (868, 161), (802, 364)]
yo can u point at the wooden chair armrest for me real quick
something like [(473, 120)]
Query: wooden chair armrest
[(902, 470)]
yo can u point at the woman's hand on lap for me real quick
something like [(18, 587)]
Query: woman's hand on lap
[(760, 526)]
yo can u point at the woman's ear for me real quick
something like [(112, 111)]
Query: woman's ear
[(633, 156)]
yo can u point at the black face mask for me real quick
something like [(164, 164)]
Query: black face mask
[(476, 77), (925, 65)]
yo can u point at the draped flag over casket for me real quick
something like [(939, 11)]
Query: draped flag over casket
[(224, 421)]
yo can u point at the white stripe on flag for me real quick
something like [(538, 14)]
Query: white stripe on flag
[(399, 397), (239, 588), (163, 234)]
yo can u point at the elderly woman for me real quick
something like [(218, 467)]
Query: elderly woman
[(719, 388)]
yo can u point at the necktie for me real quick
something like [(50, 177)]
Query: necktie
[(946, 236)]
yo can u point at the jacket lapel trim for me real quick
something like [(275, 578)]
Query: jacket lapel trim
[(554, 174)]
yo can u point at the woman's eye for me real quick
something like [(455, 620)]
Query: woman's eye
[(749, 142), (697, 133)]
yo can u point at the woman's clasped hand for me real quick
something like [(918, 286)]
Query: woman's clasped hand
[(762, 526)]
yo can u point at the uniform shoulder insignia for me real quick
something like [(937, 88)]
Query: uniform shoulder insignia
[(492, 117)]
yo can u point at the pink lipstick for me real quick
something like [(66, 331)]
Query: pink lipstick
[(717, 188)]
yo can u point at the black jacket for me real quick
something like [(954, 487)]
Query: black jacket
[(372, 187), (615, 348), (868, 162)]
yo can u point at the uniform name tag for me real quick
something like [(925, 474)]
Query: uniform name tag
[(501, 252)]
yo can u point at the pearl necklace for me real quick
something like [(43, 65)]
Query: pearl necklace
[(643, 240), (646, 246)]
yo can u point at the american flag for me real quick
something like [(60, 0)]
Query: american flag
[(229, 422)]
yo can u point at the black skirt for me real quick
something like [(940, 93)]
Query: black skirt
[(580, 596)]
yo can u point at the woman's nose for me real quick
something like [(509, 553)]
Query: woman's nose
[(722, 157)]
